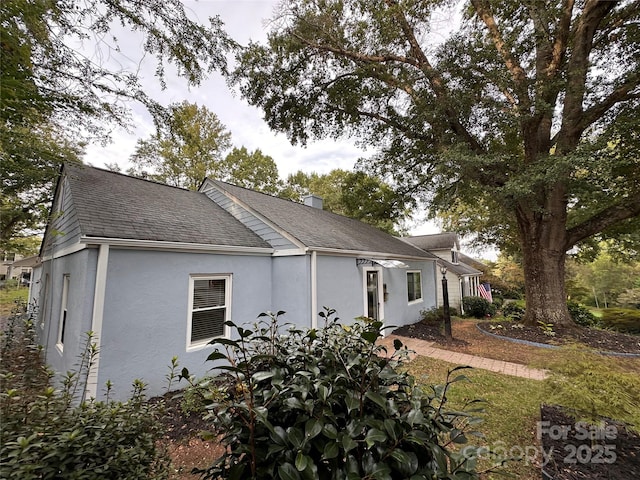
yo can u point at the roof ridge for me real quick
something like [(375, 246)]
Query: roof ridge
[(125, 175)]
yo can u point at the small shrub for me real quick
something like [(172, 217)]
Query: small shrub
[(435, 316), (478, 307), (582, 315), (51, 434), (622, 320), (325, 404), (513, 311)]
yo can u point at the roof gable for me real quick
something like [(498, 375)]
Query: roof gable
[(113, 205)]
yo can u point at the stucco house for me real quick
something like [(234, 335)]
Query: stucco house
[(463, 280), (154, 271)]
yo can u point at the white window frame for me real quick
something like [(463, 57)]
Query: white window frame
[(64, 313), (417, 300), (227, 277)]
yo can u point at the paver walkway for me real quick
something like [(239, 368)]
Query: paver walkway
[(424, 348)]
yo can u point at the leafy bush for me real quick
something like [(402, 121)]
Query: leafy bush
[(513, 311), (51, 434), (435, 316), (323, 404), (621, 319), (582, 315), (478, 307)]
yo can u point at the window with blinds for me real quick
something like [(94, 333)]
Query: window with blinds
[(209, 308), (414, 286)]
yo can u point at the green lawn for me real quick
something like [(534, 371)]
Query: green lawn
[(9, 297), (609, 386), (512, 409)]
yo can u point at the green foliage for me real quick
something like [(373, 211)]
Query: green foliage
[(582, 315), (56, 434), (514, 311), (327, 404), (621, 319), (435, 316), (594, 385), (186, 148), (352, 194), (478, 307), (57, 94), (254, 170)]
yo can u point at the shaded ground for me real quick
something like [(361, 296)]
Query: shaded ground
[(578, 451), (573, 458), (183, 438), (467, 338)]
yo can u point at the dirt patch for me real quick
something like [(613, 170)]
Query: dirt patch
[(600, 340), (575, 450), (182, 438), (467, 339)]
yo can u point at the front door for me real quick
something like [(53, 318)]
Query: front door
[(373, 294)]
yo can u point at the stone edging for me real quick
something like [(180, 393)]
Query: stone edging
[(546, 345)]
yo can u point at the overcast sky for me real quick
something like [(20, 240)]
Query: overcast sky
[(244, 20)]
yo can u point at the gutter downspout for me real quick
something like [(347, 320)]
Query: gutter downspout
[(91, 389), (314, 289)]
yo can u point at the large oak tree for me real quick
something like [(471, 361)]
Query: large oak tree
[(528, 110), (58, 89)]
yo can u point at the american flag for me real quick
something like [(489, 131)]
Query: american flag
[(484, 289)]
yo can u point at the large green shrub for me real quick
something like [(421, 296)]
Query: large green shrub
[(582, 315), (56, 434), (514, 311), (621, 319), (478, 307), (323, 404)]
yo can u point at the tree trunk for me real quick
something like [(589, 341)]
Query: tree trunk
[(543, 237), (546, 299)]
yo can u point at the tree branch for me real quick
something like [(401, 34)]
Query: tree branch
[(620, 94), (629, 207), (593, 13), (435, 80), (515, 69)]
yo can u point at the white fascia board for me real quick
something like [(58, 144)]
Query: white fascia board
[(178, 246), (373, 255), (260, 217), (290, 252), (76, 247)]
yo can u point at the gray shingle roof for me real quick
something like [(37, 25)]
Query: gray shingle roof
[(113, 205), (319, 228)]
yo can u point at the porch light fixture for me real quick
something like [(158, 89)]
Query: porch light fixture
[(443, 270)]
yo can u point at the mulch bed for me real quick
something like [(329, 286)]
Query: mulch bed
[(577, 451), (601, 340)]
